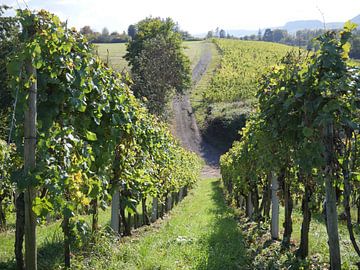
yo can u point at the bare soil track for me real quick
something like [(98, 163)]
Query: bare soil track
[(186, 129)]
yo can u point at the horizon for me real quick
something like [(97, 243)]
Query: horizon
[(242, 16)]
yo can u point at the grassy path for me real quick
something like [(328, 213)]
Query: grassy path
[(201, 234)]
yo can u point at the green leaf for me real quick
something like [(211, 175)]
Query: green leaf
[(308, 132), (68, 211), (36, 50), (38, 64), (81, 108), (91, 136), (331, 106), (14, 67)]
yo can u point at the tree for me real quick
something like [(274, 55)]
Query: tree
[(278, 35), (268, 35), (222, 33), (210, 34), (158, 64), (105, 32), (252, 37), (86, 30), (132, 31), (217, 32)]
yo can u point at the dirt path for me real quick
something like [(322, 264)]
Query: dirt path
[(185, 123)]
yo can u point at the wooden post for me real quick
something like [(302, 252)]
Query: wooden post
[(29, 163), (288, 211), (145, 220), (154, 212), (241, 201), (303, 249), (181, 194), (274, 207), (330, 195), (95, 215), (115, 212), (169, 203), (249, 206), (67, 241), (20, 230)]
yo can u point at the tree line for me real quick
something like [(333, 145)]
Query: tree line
[(115, 37), (303, 38)]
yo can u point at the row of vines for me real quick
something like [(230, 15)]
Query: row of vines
[(303, 144), (241, 64), (80, 141)]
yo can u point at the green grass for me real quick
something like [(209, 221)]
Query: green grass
[(201, 233), (197, 93), (193, 50), (318, 246), (267, 253), (113, 54), (49, 242)]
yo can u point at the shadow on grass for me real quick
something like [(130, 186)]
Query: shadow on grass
[(9, 265), (49, 255), (225, 245)]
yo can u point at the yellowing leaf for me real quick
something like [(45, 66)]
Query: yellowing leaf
[(346, 49)]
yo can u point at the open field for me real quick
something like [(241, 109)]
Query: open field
[(113, 53), (193, 50)]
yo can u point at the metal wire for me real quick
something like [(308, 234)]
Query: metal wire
[(13, 118)]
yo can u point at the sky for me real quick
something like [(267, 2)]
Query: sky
[(195, 16)]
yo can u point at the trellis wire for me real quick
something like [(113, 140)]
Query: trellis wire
[(13, 118)]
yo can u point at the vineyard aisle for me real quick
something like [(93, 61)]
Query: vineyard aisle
[(202, 233)]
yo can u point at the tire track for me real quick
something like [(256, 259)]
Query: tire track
[(186, 129)]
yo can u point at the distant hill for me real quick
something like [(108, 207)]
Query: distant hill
[(235, 33), (356, 19), (242, 32), (292, 27)]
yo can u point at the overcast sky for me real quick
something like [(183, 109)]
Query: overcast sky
[(195, 16)]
